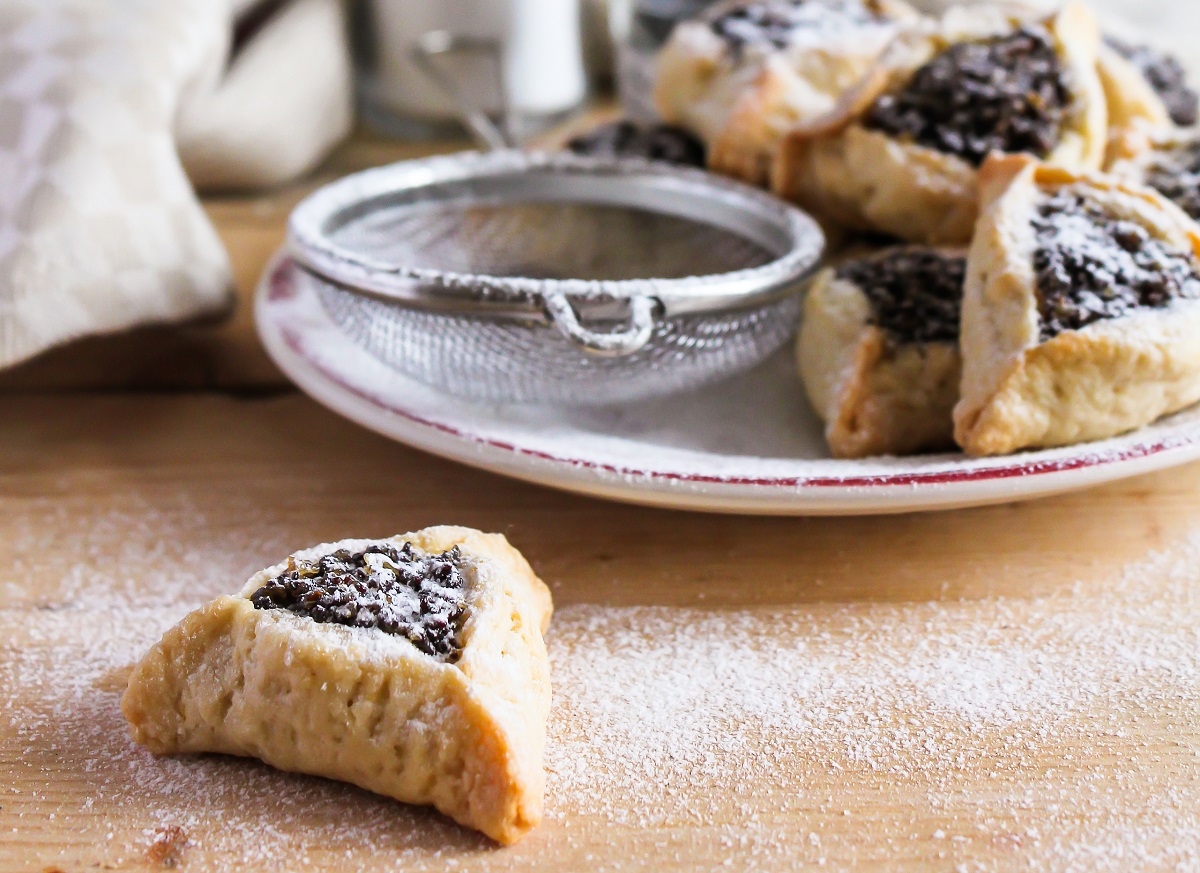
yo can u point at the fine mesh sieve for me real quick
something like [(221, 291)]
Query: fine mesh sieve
[(531, 277)]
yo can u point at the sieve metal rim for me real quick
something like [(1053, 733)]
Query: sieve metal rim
[(790, 235)]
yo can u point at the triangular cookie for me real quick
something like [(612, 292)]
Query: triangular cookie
[(1081, 310), (742, 74), (878, 350), (901, 152), (412, 666)]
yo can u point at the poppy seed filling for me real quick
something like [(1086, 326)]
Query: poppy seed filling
[(1166, 76), (655, 142), (1175, 173), (915, 294), (1007, 94), (1091, 265), (393, 590), (775, 23)]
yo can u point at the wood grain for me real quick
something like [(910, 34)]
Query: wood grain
[(121, 510), (173, 499)]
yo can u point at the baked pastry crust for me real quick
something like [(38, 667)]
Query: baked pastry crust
[(876, 395), (1144, 86), (1130, 98), (1162, 158), (743, 106), (1110, 376), (1131, 148), (366, 707), (867, 179)]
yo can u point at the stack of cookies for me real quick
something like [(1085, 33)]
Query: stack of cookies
[(1015, 196)]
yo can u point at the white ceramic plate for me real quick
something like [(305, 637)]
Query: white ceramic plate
[(749, 445)]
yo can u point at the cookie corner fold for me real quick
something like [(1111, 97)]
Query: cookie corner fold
[(1032, 383), (464, 733)]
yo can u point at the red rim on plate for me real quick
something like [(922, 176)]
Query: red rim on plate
[(287, 340)]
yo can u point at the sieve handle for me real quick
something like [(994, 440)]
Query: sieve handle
[(616, 343)]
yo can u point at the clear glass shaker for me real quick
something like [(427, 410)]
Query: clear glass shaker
[(518, 59)]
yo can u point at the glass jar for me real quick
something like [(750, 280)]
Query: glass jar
[(523, 56), (640, 27)]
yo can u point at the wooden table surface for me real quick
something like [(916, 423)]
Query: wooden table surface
[(1015, 687)]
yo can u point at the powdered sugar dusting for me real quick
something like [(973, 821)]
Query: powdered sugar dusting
[(71, 549), (1057, 733)]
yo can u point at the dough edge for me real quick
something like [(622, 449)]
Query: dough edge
[(875, 398), (1107, 378), (327, 700)]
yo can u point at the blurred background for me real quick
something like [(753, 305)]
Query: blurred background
[(162, 145), (558, 54)]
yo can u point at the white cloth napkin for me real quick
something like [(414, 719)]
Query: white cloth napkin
[(102, 104)]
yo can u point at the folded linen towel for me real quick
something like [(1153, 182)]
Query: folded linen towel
[(100, 228), (282, 104)]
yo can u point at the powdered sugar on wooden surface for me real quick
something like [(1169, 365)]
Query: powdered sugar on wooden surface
[(1057, 733), (958, 703)]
